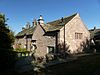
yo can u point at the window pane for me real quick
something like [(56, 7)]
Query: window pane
[(51, 49), (78, 35)]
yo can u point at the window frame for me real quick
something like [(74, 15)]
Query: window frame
[(78, 35)]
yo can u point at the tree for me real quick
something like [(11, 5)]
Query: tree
[(6, 35), (6, 40)]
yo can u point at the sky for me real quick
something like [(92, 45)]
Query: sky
[(20, 12)]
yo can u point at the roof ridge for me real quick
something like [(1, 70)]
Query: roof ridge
[(63, 18), (71, 15)]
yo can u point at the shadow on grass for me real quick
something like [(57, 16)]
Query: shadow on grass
[(86, 65)]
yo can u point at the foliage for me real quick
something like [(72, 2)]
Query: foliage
[(6, 40), (21, 50), (6, 35)]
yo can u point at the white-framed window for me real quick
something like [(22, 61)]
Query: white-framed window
[(33, 45)]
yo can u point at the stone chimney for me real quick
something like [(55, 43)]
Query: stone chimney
[(41, 20), (28, 25), (62, 19), (23, 28), (34, 23), (94, 28)]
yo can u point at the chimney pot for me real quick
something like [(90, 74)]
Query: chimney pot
[(94, 27), (27, 25), (34, 22), (23, 28)]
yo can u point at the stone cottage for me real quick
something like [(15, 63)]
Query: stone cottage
[(95, 38), (68, 34)]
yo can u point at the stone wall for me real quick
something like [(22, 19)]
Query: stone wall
[(42, 41), (20, 42), (74, 26), (28, 44)]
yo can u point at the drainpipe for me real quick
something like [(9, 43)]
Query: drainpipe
[(94, 31), (26, 43), (64, 37), (56, 42), (62, 20)]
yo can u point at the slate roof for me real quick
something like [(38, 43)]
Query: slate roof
[(58, 24), (30, 31), (95, 33), (26, 32), (50, 26), (22, 33)]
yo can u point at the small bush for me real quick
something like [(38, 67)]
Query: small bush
[(20, 50)]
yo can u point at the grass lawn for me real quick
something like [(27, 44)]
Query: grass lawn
[(85, 65)]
